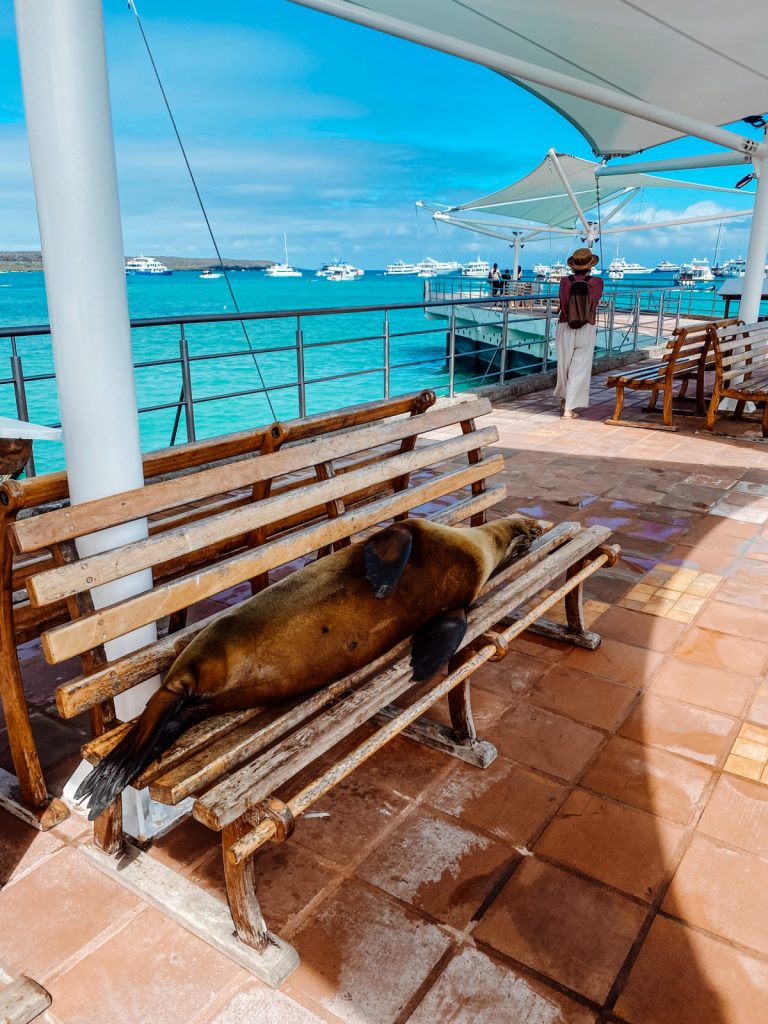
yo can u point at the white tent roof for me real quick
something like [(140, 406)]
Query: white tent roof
[(699, 58), (541, 198)]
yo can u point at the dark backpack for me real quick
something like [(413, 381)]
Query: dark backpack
[(578, 312)]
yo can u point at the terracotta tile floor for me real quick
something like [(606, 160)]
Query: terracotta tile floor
[(610, 867)]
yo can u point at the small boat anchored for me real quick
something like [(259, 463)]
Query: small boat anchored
[(210, 275), (283, 269)]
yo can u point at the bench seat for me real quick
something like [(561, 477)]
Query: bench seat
[(251, 774)]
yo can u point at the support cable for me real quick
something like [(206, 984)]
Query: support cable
[(132, 7)]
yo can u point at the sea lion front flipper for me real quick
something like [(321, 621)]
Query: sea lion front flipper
[(386, 555), (436, 643)]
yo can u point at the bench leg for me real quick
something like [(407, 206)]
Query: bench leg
[(108, 828), (654, 397), (666, 408), (575, 632), (683, 386), (738, 412), (240, 879), (765, 420), (619, 401)]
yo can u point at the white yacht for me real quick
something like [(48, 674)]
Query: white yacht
[(541, 271), (146, 265), (734, 268), (429, 267), (282, 269), (694, 272), (401, 268), (476, 268), (619, 268), (557, 271), (665, 267), (210, 275), (339, 270)]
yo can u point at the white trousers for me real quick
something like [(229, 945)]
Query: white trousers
[(574, 364)]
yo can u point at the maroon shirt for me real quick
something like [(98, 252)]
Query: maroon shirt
[(595, 285)]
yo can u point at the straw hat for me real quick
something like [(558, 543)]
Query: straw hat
[(582, 259)]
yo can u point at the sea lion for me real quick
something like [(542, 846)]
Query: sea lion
[(320, 623)]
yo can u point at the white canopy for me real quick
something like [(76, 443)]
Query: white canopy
[(541, 197), (703, 59)]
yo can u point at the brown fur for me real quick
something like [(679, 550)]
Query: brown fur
[(323, 621)]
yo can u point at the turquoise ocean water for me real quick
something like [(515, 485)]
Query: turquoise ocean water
[(334, 344)]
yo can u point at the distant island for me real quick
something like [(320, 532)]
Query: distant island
[(33, 261)]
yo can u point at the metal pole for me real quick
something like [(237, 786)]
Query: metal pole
[(682, 163), (547, 337), (21, 397), (679, 306), (386, 353), (660, 319), (300, 368), (504, 342), (636, 331), (752, 286), (611, 322), (186, 377), (69, 126), (452, 355)]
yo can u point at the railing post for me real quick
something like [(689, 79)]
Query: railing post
[(186, 378), (679, 305), (20, 392), (636, 331), (452, 355), (547, 337), (300, 368), (504, 342), (660, 319), (386, 351)]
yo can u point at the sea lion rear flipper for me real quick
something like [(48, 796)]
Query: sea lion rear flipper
[(436, 643), (386, 555)]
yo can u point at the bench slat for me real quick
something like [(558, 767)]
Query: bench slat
[(79, 520), (76, 637), (84, 692), (95, 570), (232, 797)]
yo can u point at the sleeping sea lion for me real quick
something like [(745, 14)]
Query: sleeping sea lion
[(322, 622)]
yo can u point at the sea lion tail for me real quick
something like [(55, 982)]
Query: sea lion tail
[(164, 718)]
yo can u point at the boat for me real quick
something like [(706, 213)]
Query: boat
[(341, 275), (429, 267), (665, 267), (282, 269), (210, 275), (694, 272), (476, 268), (733, 268), (556, 272), (541, 271), (620, 268), (339, 267), (146, 265), (401, 268)]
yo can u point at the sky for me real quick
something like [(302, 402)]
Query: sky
[(299, 123)]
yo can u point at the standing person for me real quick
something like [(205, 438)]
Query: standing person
[(506, 280), (494, 276), (576, 332)]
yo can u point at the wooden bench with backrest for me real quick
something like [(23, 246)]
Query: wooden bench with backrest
[(741, 369), (251, 773), (26, 794), (686, 356)]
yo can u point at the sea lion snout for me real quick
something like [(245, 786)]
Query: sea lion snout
[(513, 536)]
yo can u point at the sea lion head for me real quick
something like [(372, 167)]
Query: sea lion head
[(511, 537)]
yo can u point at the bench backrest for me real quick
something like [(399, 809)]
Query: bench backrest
[(740, 350), (312, 496), (684, 350), (38, 494)]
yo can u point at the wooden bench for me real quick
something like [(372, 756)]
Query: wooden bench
[(252, 773), (740, 355), (685, 356), (25, 794)]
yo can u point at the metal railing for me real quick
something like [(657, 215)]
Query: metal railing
[(314, 359)]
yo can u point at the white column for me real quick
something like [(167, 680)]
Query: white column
[(516, 246), (752, 285), (69, 125)]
